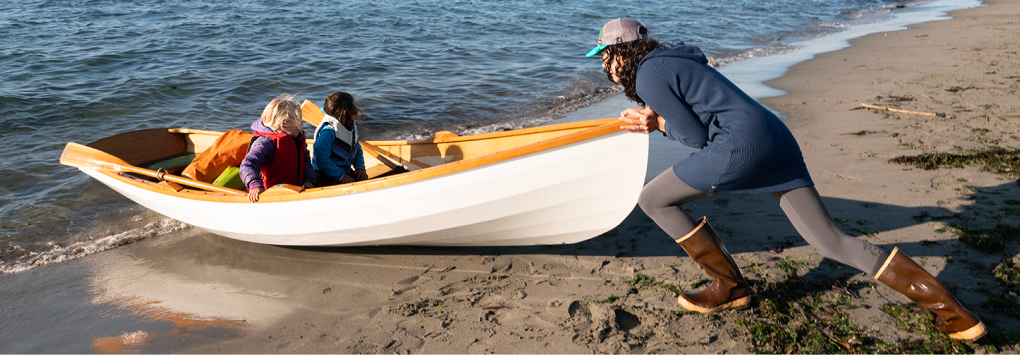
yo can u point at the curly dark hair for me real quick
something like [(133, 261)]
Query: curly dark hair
[(341, 106), (632, 53)]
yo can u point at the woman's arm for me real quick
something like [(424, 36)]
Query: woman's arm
[(642, 120), (659, 88)]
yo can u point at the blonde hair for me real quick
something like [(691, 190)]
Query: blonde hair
[(281, 111)]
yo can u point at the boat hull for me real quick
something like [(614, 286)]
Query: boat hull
[(557, 196)]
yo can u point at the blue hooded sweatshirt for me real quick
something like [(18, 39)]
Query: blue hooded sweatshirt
[(336, 149), (744, 147)]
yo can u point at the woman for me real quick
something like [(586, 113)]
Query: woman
[(744, 149)]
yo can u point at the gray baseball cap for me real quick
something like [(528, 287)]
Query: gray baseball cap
[(617, 31)]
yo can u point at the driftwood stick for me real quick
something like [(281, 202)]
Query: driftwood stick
[(904, 111)]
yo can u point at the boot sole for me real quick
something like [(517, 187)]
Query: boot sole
[(739, 303), (972, 334)]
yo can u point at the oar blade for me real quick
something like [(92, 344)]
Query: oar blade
[(81, 156), (311, 113)]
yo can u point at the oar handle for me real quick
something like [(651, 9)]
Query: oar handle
[(183, 181)]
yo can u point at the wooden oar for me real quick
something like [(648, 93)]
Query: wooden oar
[(382, 156), (311, 113), (81, 156), (393, 158)]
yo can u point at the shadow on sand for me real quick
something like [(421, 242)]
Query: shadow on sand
[(638, 236)]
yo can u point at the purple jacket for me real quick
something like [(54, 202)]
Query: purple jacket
[(261, 152)]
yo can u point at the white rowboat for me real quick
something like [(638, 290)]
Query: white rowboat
[(553, 184)]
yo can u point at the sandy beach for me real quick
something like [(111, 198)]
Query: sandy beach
[(195, 292)]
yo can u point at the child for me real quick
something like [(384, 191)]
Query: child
[(336, 146), (277, 153)]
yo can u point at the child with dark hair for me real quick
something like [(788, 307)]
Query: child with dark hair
[(336, 153)]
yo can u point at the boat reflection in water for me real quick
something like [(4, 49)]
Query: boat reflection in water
[(177, 309)]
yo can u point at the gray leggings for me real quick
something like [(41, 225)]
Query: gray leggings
[(662, 198)]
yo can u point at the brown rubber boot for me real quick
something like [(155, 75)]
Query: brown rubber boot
[(728, 290), (904, 275)]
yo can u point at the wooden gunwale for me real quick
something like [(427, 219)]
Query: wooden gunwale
[(503, 134), (290, 192), (311, 114)]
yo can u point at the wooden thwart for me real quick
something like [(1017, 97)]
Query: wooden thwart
[(939, 114)]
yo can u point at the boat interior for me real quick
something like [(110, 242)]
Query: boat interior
[(156, 155)]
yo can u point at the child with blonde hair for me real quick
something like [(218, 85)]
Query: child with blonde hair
[(278, 153)]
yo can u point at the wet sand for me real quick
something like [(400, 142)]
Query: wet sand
[(195, 292)]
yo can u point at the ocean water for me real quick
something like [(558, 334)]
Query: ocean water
[(83, 70)]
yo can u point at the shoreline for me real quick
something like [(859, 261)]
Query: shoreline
[(752, 75), (194, 292)]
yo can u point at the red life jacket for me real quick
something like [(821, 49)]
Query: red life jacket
[(287, 166)]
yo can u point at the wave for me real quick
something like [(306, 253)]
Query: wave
[(57, 253), (718, 61), (880, 12)]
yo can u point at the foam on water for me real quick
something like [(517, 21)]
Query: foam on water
[(21, 259)]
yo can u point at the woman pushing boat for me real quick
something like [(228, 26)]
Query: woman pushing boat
[(743, 149)]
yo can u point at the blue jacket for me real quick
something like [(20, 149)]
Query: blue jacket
[(745, 148), (334, 154)]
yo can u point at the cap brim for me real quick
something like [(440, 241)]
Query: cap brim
[(595, 50)]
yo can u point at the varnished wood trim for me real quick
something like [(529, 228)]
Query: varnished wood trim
[(383, 156), (393, 157), (142, 146), (169, 186), (282, 190)]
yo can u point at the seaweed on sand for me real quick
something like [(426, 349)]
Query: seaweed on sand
[(995, 159)]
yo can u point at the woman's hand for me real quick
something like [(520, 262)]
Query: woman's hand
[(253, 195), (346, 179), (308, 185), (642, 120), (360, 174)]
